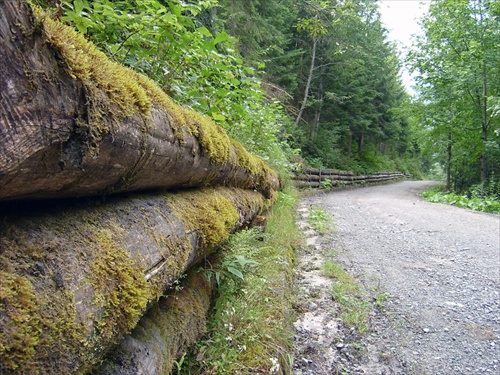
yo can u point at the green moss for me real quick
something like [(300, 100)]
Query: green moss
[(212, 214), (39, 311), (121, 292), (38, 308), (18, 308), (115, 92)]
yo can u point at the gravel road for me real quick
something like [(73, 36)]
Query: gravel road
[(439, 267)]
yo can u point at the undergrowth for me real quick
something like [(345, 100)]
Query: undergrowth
[(346, 291), (320, 220), (471, 200), (250, 326)]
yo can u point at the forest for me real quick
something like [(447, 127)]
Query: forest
[(318, 83), (168, 132)]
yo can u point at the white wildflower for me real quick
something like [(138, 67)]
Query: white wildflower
[(275, 366)]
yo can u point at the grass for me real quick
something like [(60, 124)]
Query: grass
[(250, 326), (346, 292)]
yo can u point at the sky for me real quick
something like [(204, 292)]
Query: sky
[(400, 18)]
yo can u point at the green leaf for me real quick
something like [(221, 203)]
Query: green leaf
[(218, 117), (221, 37), (236, 272), (78, 6), (204, 31), (243, 261)]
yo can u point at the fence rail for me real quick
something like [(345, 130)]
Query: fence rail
[(316, 177)]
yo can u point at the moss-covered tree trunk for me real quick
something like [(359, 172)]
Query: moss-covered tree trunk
[(165, 333), (76, 278), (74, 123)]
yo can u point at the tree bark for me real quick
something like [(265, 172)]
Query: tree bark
[(77, 277), (448, 161), (165, 333), (308, 83), (73, 123)]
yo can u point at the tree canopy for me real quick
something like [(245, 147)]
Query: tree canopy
[(458, 66)]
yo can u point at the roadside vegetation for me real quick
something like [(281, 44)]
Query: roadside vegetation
[(250, 325), (346, 291), (477, 198)]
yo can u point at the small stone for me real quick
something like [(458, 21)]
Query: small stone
[(313, 306), (305, 361)]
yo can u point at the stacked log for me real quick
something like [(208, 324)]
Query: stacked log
[(317, 177), (78, 274), (74, 123)]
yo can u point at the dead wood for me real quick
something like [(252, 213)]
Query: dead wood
[(77, 277), (74, 123)]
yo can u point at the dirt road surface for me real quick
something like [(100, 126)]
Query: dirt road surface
[(438, 268)]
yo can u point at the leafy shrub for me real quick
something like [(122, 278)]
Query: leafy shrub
[(475, 203), (197, 67), (326, 184)]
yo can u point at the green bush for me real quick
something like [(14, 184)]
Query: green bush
[(474, 203)]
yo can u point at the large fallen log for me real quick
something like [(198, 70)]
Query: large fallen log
[(76, 278), (74, 123)]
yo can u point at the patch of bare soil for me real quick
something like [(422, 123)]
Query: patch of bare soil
[(431, 275)]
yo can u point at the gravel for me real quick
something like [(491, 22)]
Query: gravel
[(437, 267)]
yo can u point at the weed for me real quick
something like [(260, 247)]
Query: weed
[(250, 323), (233, 267), (357, 346), (178, 364), (346, 291), (380, 300), (326, 184), (320, 220)]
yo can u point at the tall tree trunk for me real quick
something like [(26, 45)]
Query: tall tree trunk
[(317, 112), (448, 162), (308, 83), (73, 123), (484, 125), (349, 144), (360, 145)]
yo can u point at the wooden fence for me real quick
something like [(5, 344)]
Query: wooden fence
[(317, 177)]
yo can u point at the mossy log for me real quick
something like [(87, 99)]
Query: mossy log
[(164, 333), (77, 277), (74, 123)]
